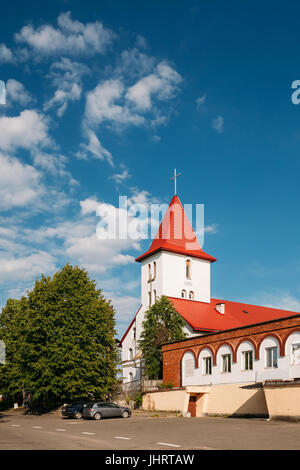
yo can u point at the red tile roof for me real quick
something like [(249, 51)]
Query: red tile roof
[(125, 334), (176, 234), (204, 317)]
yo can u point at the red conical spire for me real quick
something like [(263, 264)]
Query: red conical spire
[(176, 234)]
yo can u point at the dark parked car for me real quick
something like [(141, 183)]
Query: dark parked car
[(74, 410), (105, 410)]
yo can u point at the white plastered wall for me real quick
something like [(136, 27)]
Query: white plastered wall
[(288, 366)]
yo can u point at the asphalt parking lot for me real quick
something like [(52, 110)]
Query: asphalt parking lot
[(141, 431)]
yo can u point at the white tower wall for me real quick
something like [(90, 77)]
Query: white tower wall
[(175, 280)]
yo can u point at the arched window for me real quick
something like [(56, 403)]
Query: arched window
[(183, 294), (130, 354), (149, 272), (188, 370), (130, 376), (191, 295), (188, 269)]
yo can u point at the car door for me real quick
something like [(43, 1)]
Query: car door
[(103, 409), (115, 410)]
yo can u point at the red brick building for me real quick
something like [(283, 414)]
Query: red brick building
[(282, 333)]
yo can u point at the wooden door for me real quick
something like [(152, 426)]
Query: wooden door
[(192, 405)]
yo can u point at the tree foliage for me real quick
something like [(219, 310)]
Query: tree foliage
[(60, 341), (162, 324)]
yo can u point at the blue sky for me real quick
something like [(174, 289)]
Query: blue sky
[(107, 98)]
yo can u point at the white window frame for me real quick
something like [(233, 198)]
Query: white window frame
[(273, 363), (293, 348), (226, 363), (246, 361), (207, 365)]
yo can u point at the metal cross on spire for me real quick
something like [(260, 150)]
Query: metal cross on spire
[(174, 178)]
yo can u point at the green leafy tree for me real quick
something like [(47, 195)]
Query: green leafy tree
[(60, 341), (162, 324)]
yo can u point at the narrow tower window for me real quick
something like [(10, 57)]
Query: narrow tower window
[(191, 295), (188, 269), (183, 293), (154, 270)]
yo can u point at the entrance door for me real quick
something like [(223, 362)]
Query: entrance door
[(192, 405)]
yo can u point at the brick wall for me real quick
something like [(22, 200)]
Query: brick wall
[(173, 352)]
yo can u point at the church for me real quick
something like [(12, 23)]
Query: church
[(227, 342)]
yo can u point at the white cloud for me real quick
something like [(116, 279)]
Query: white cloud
[(121, 177), (101, 105), (66, 76), (163, 83), (200, 101), (133, 62), (17, 93), (6, 55), (99, 255), (81, 243), (53, 163), (125, 305), (89, 206), (69, 38), (2, 92), (26, 131), (19, 183), (218, 124), (27, 267), (280, 299), (83, 247), (93, 148)]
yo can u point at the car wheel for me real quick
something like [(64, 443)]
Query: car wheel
[(97, 416), (125, 414), (78, 415)]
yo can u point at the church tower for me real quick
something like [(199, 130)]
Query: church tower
[(175, 265)]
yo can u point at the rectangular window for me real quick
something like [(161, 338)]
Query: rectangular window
[(189, 367), (296, 354), (248, 360), (207, 365), (272, 357), (226, 363)]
